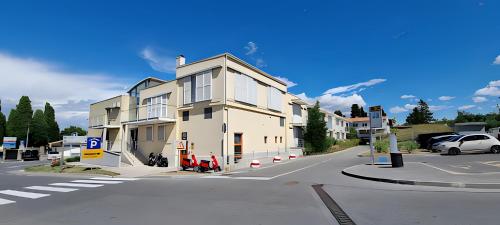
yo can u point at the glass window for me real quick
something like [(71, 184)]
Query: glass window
[(185, 116), (208, 113), (149, 133), (265, 139), (281, 139), (275, 139), (187, 90), (161, 133), (157, 106), (274, 99), (282, 121), (245, 89), (203, 86)]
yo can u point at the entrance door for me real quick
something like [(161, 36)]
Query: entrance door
[(238, 147), (133, 138)]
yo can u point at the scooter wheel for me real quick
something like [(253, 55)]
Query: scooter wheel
[(196, 169)]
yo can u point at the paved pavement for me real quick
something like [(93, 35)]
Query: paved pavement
[(279, 194)]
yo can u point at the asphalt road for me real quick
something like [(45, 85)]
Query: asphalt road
[(280, 194)]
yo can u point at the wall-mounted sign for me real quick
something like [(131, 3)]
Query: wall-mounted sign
[(92, 153), (181, 145), (9, 142), (184, 136), (94, 143)]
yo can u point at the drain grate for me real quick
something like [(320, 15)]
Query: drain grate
[(334, 208)]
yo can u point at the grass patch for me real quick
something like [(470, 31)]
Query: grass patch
[(69, 169), (412, 133)]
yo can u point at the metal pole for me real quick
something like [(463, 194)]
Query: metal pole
[(372, 153), (27, 138), (61, 162)]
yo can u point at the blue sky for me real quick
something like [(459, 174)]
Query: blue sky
[(340, 52)]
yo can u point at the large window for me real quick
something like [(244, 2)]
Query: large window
[(197, 87), (157, 106), (245, 89), (203, 86), (274, 99), (185, 116)]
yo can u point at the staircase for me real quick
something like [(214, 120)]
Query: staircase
[(131, 159)]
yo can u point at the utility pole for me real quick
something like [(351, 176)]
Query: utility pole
[(27, 137)]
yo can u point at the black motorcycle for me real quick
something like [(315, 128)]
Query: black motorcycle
[(161, 161), (152, 159)]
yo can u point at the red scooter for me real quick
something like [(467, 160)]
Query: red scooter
[(205, 165), (190, 163)]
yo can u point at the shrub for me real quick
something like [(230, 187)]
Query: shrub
[(381, 146), (409, 146), (73, 159)]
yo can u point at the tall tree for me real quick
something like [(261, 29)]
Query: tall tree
[(355, 111), (315, 134), (39, 129), (362, 112), (52, 126), (421, 114), (73, 129), (3, 124), (20, 118), (338, 112)]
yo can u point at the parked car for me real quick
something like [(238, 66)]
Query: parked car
[(30, 155), (433, 142), (470, 143)]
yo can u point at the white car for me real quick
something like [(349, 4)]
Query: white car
[(470, 143)]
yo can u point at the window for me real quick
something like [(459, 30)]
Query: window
[(274, 99), (469, 138), (161, 133), (265, 139), (245, 89), (187, 90), (275, 139), (185, 116), (281, 139), (208, 113), (238, 147), (157, 106), (149, 133), (282, 121), (203, 86), (337, 122)]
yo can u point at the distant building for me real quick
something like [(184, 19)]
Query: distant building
[(470, 127), (362, 126)]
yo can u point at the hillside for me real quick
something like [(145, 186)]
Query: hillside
[(411, 133)]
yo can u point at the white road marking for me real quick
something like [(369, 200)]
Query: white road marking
[(457, 173), (114, 178), (303, 168), (77, 185), (98, 181), (5, 201), (23, 194), (217, 177), (47, 188), (252, 178)]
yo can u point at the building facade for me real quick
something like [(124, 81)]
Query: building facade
[(221, 105)]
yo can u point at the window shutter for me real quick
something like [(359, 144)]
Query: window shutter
[(187, 90)]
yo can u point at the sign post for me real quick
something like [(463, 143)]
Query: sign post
[(375, 122), (70, 140)]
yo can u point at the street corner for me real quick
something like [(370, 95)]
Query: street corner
[(427, 174)]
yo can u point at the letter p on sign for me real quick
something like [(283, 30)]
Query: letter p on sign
[(94, 143)]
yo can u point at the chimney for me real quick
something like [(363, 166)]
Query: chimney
[(180, 60)]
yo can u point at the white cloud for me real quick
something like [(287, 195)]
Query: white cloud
[(259, 62), (397, 109), (465, 107), (497, 60), (479, 99), (251, 48), (409, 106), (439, 107), (288, 82), (407, 96), (446, 98), (352, 87), (164, 64), (492, 89), (70, 93), (334, 102)]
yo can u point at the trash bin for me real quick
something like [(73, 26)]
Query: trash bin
[(397, 159)]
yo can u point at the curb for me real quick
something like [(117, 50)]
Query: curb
[(426, 183)]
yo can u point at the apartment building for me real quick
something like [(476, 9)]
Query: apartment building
[(337, 125), (362, 126), (221, 105)]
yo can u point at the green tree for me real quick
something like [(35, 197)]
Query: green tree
[(52, 126), (420, 114), (315, 134), (362, 112), (73, 129), (338, 113), (3, 124), (355, 111), (39, 129), (20, 118)]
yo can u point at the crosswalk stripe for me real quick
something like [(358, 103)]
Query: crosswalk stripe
[(98, 181), (47, 188), (114, 178), (5, 201), (77, 185), (23, 194)]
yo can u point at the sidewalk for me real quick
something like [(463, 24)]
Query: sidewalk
[(132, 171), (416, 173)]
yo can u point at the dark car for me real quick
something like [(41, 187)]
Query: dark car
[(432, 141), (30, 155)]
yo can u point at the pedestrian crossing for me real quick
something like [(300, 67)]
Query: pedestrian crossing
[(40, 191)]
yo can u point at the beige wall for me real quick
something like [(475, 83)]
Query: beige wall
[(169, 88), (157, 146), (98, 115)]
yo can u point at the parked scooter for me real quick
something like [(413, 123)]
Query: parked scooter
[(190, 163), (152, 159), (205, 165), (161, 161)]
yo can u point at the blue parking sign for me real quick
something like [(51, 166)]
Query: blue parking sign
[(94, 143)]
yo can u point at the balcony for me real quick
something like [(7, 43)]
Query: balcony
[(151, 114)]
